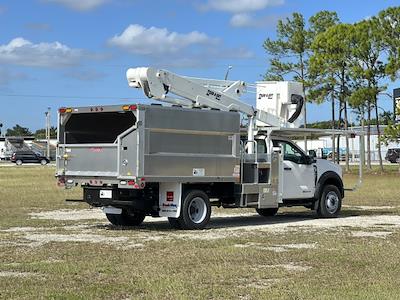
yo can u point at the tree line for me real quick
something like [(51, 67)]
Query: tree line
[(19, 130), (348, 65)]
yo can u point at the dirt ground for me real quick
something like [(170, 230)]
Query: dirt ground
[(50, 249)]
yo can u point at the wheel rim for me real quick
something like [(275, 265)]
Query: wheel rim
[(332, 202), (197, 210), (43, 162)]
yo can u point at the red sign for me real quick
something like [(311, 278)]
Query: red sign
[(96, 149), (170, 196)]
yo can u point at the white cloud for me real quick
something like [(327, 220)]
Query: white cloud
[(240, 6), (20, 51), (165, 48), (249, 20), (155, 41), (80, 5), (241, 20)]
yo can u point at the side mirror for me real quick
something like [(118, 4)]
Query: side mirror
[(309, 160)]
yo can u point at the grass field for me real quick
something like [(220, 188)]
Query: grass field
[(51, 249)]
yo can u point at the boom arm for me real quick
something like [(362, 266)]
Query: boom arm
[(217, 94)]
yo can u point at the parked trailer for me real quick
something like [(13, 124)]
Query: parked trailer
[(141, 160)]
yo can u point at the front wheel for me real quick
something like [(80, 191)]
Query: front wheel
[(43, 162), (330, 202), (126, 218), (195, 211), (18, 162)]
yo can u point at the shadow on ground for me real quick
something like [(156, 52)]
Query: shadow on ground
[(291, 218)]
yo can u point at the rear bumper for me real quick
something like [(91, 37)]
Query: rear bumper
[(138, 200), (91, 195)]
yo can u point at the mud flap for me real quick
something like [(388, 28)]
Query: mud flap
[(170, 194)]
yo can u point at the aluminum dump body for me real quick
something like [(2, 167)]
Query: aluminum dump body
[(112, 143)]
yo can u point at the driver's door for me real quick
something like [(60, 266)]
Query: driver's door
[(298, 177)]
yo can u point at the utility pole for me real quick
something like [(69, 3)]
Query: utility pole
[(47, 113), (396, 99)]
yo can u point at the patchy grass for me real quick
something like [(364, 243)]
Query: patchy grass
[(80, 257)]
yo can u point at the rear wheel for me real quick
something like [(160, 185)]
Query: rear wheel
[(18, 162), (330, 202), (174, 222), (195, 211), (267, 212), (126, 218)]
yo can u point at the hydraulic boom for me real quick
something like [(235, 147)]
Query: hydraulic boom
[(211, 93)]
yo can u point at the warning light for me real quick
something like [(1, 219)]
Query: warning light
[(129, 107), (63, 110)]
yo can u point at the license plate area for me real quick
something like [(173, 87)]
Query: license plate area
[(99, 196), (105, 194)]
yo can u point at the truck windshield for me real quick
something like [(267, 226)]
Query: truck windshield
[(91, 128)]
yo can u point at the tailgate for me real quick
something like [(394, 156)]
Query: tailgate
[(89, 160), (90, 138)]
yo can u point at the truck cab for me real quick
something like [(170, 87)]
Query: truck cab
[(304, 177)]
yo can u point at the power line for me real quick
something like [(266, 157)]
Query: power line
[(69, 97)]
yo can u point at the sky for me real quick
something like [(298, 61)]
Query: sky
[(56, 53)]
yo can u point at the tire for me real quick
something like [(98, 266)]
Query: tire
[(195, 211), (43, 162), (267, 212), (174, 222), (330, 202), (18, 162), (126, 218)]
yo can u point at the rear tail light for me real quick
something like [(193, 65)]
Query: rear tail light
[(61, 181), (136, 185), (129, 107), (64, 110)]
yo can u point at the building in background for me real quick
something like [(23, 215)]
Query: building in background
[(354, 144)]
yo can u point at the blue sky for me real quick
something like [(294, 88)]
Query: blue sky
[(57, 53)]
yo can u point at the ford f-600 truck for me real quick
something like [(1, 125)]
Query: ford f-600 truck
[(180, 159)]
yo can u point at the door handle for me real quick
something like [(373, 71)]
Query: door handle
[(287, 169)]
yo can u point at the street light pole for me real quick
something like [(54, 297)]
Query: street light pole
[(47, 113), (227, 72)]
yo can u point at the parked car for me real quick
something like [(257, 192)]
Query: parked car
[(342, 156), (393, 155), (21, 157)]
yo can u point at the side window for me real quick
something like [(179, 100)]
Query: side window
[(291, 153), (261, 148)]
